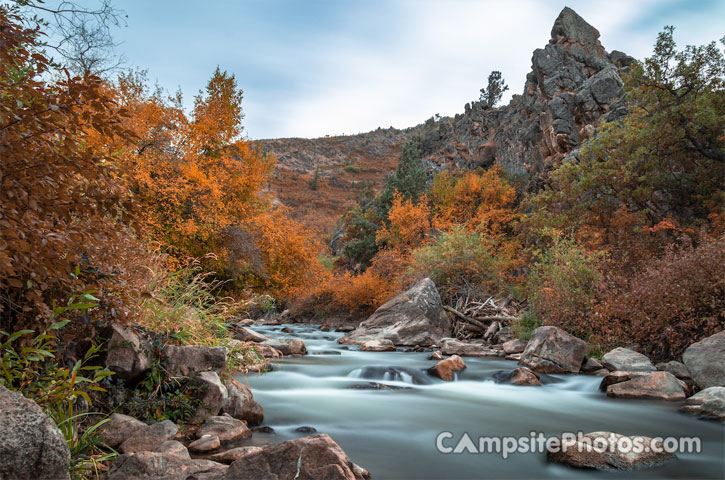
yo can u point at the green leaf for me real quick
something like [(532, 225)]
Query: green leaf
[(59, 325)]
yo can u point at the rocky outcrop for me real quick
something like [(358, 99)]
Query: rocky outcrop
[(415, 317), (32, 447), (627, 360), (656, 385), (240, 403), (552, 350), (705, 360), (307, 458), (584, 452), (126, 354), (445, 369), (708, 403), (190, 359)]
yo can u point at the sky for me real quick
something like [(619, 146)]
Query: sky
[(317, 67)]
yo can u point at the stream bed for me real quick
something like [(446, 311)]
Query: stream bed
[(392, 432)]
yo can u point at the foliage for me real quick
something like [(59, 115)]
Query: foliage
[(525, 325), (409, 178), (361, 228), (408, 224), (87, 452), (496, 86), (359, 293)]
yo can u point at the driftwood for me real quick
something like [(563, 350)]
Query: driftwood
[(480, 319), (468, 319)]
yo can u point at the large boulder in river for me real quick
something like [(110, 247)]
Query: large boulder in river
[(552, 350), (415, 317), (308, 458), (708, 403), (705, 360), (624, 359), (287, 346), (32, 447), (126, 354), (190, 359), (600, 451), (656, 386), (445, 369)]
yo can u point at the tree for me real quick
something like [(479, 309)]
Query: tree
[(496, 86), (409, 178)]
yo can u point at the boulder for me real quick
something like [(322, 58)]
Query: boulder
[(266, 351), (308, 458), (599, 450), (240, 403), (708, 403), (287, 346), (413, 318), (437, 355), (592, 365), (120, 428), (205, 443), (378, 345), (705, 360), (32, 446), (445, 368), (624, 359), (190, 359), (248, 335), (552, 350), (150, 438), (524, 376), (450, 346), (210, 394), (159, 465), (514, 346), (233, 454), (125, 353), (678, 369), (227, 429), (173, 447), (656, 385), (618, 377)]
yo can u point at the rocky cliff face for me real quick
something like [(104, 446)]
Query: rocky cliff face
[(573, 83)]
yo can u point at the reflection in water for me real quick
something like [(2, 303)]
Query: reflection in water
[(392, 431)]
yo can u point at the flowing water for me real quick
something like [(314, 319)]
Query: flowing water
[(392, 432)]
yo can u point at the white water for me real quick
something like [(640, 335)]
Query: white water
[(393, 432)]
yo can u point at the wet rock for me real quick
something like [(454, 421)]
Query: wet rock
[(205, 443), (415, 317), (524, 376), (624, 359), (552, 350), (612, 378), (705, 360), (450, 346), (392, 374), (190, 359), (708, 403), (156, 465), (120, 428), (445, 369), (378, 345), (585, 454), (327, 352), (267, 351), (656, 385), (32, 447), (248, 335), (345, 328), (150, 438), (240, 403), (306, 429), (126, 354), (592, 365), (265, 429), (378, 386), (514, 346), (232, 455), (211, 395), (308, 458), (228, 429), (437, 355), (676, 368), (287, 346)]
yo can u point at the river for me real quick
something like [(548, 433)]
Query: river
[(393, 432)]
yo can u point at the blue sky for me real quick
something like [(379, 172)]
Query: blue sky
[(317, 67)]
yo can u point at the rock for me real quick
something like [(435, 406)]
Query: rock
[(445, 368), (265, 429), (552, 350), (119, 428), (173, 447), (378, 345), (211, 395), (240, 403), (612, 378), (248, 335), (191, 359), (150, 438), (656, 385), (327, 352), (415, 317), (524, 376), (32, 447), (624, 359), (592, 365), (708, 403), (287, 346), (266, 351), (705, 360), (157, 465), (306, 429), (377, 386), (676, 368), (513, 356), (228, 429), (514, 346), (585, 454), (234, 454), (126, 354), (437, 355), (308, 458), (450, 346), (205, 443)]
